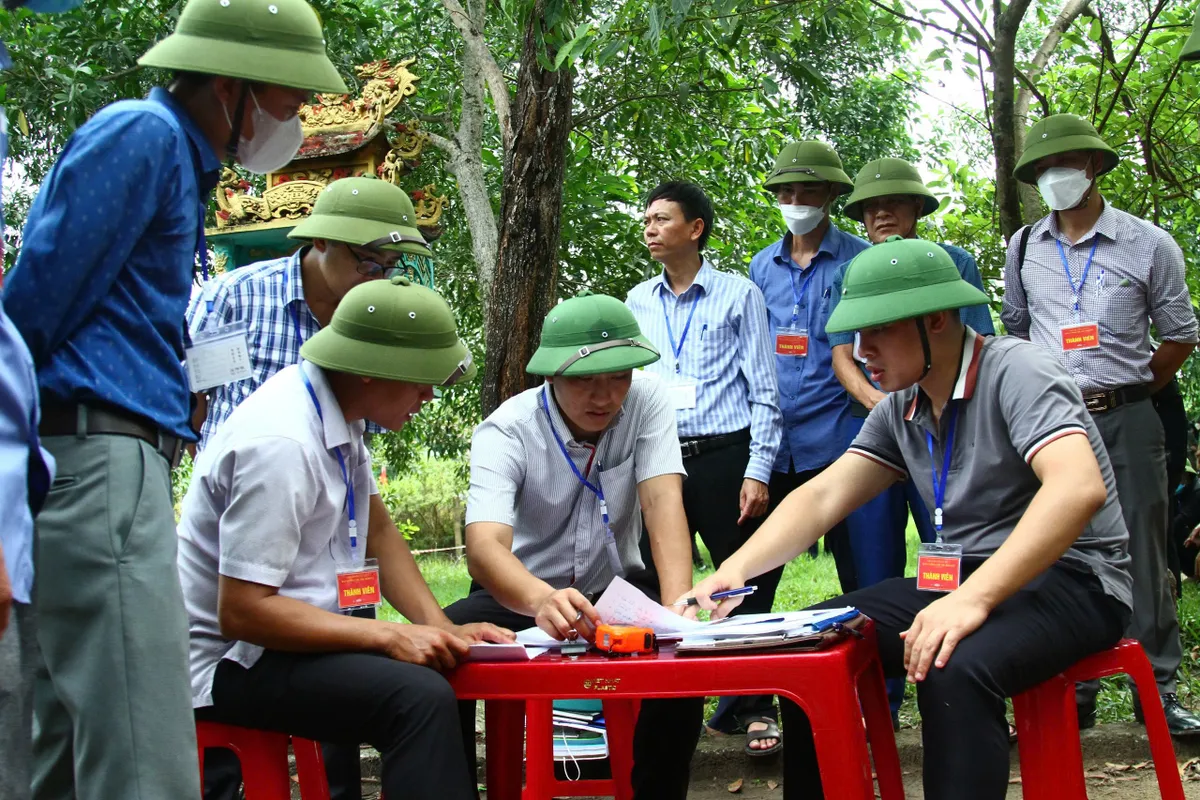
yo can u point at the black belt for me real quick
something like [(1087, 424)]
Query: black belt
[(1099, 402), (704, 444), (83, 420)]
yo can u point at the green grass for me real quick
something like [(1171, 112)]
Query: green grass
[(806, 581)]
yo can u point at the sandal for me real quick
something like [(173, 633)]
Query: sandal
[(769, 732), (1012, 733)]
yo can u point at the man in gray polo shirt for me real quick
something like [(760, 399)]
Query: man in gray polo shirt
[(561, 476), (1085, 282), (1032, 573)]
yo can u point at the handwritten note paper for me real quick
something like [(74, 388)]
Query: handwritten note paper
[(624, 604)]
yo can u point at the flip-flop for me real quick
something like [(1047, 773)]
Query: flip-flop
[(770, 732), (1012, 733)]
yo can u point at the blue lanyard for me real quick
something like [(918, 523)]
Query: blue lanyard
[(798, 296), (614, 558), (341, 463), (939, 487), (677, 348), (1083, 278)]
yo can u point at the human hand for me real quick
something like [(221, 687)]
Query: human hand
[(937, 630), (688, 612), (721, 580), (1193, 538), (566, 611), (483, 632), (873, 397), (423, 645), (753, 499)]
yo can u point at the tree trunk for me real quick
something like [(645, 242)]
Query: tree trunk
[(1004, 139), (526, 275)]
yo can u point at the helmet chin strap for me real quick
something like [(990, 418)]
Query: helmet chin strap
[(235, 128), (924, 347)]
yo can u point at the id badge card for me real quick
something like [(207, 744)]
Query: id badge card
[(218, 357), (682, 394), (1080, 336), (358, 587), (791, 342), (939, 567)]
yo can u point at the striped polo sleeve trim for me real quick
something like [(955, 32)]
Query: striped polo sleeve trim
[(1055, 435), (871, 455)]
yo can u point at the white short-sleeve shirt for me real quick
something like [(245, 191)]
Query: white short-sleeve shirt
[(267, 504)]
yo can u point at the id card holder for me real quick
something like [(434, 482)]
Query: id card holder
[(1080, 336), (358, 587), (218, 357), (791, 342), (682, 394), (939, 567)]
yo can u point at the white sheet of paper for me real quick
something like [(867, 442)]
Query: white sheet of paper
[(490, 651), (624, 604), (683, 395)]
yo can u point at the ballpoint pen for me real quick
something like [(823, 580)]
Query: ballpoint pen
[(691, 601)]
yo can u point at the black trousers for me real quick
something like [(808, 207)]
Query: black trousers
[(667, 729), (343, 767), (710, 500), (1057, 619), (406, 712)]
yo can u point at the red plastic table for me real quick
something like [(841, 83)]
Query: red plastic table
[(837, 688)]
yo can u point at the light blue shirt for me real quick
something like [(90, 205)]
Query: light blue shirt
[(814, 404), (725, 351), (20, 473)]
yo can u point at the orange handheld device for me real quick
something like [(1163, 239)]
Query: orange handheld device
[(625, 639)]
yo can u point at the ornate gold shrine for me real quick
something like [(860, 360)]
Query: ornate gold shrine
[(343, 137)]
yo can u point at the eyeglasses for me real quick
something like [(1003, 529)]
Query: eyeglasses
[(367, 266)]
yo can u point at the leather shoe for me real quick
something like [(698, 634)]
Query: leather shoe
[(1180, 721)]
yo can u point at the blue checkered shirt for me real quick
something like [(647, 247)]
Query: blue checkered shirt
[(259, 296)]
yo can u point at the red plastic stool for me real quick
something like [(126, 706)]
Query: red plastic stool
[(1048, 727), (620, 717), (263, 756)]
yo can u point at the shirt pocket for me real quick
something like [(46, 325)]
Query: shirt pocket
[(619, 484), (718, 351), (1123, 310)]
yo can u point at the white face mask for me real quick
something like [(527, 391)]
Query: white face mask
[(1063, 187), (275, 141), (801, 219)]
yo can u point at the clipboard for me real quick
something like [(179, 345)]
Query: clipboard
[(812, 637)]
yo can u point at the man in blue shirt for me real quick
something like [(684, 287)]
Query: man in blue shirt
[(25, 473), (796, 277), (99, 292), (711, 328)]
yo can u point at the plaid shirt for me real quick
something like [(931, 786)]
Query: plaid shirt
[(1136, 276), (263, 296)]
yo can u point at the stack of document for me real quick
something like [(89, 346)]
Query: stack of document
[(624, 604), (579, 735)]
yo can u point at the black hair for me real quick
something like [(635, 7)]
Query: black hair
[(692, 199)]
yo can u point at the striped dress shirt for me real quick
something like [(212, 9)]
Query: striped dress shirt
[(264, 296), (1137, 276), (520, 478), (727, 352)]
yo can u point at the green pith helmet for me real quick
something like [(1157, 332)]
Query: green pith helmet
[(365, 212), (395, 330), (589, 335), (1061, 133), (900, 279), (809, 162), (1191, 48), (279, 42), (887, 176)]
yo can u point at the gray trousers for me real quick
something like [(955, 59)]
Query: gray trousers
[(1133, 436), (18, 654), (112, 700)]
